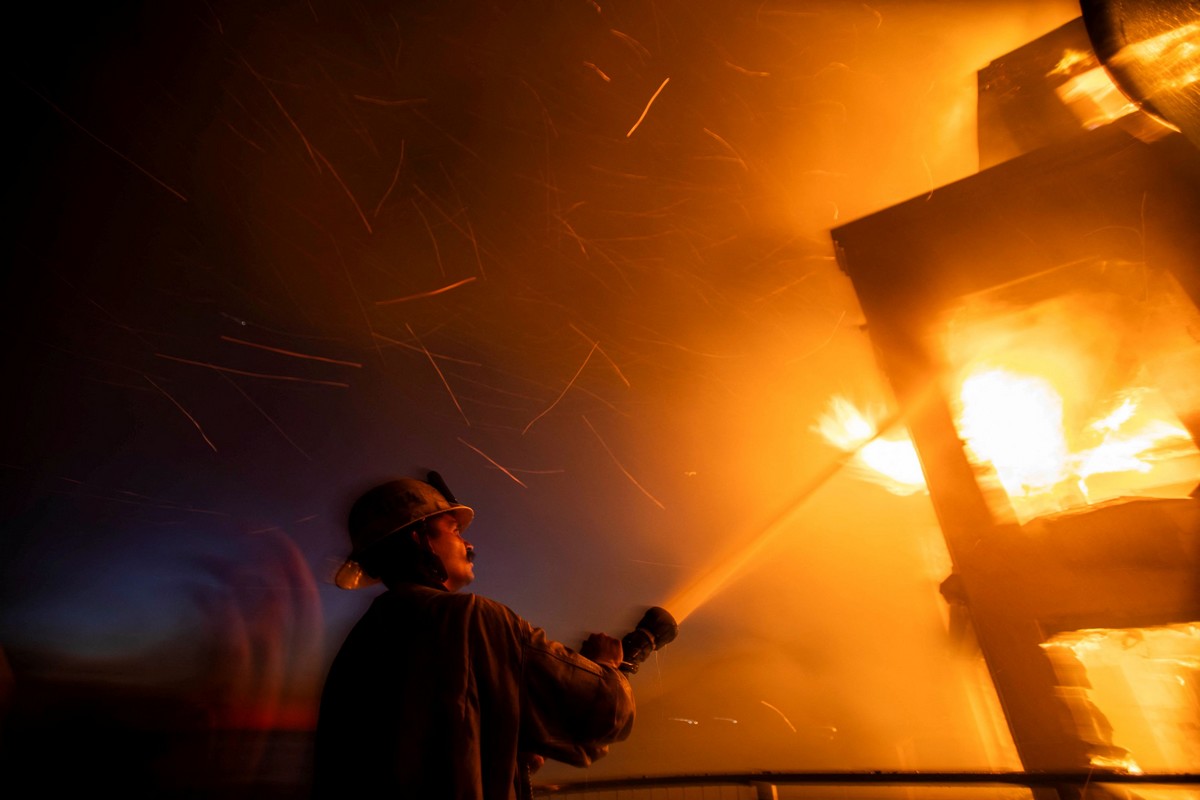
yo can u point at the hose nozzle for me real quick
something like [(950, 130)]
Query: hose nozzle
[(656, 630)]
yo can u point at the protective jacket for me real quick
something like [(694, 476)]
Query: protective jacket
[(434, 693)]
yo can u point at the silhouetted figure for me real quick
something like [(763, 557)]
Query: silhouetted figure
[(441, 694)]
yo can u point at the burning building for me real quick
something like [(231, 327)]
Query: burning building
[(1039, 324)]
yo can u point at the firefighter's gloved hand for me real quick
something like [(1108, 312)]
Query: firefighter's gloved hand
[(603, 649)]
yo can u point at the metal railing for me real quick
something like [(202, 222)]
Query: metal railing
[(765, 785)]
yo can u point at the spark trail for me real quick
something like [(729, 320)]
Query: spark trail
[(621, 467), (646, 110), (493, 461), (106, 145), (185, 412), (439, 372), (566, 388)]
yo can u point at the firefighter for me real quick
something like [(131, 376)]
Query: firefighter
[(439, 693)]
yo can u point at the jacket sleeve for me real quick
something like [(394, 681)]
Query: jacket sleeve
[(571, 708)]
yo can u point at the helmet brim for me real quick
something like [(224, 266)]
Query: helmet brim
[(351, 575)]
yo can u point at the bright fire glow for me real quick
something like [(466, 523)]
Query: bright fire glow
[(893, 463), (1094, 98), (1014, 423)]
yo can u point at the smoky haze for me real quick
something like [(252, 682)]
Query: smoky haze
[(575, 256)]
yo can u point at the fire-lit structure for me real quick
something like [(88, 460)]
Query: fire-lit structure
[(577, 257), (1040, 325)]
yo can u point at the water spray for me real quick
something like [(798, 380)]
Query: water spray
[(659, 627), (708, 584)]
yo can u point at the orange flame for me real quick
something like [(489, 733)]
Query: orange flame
[(1013, 422)]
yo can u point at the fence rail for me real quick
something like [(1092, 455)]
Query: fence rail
[(765, 784)]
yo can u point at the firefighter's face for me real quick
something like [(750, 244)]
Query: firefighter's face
[(448, 544)]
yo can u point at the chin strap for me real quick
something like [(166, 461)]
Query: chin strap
[(429, 565)]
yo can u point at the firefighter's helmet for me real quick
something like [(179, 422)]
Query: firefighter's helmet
[(388, 509)]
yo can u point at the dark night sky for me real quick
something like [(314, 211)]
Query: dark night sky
[(232, 223)]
